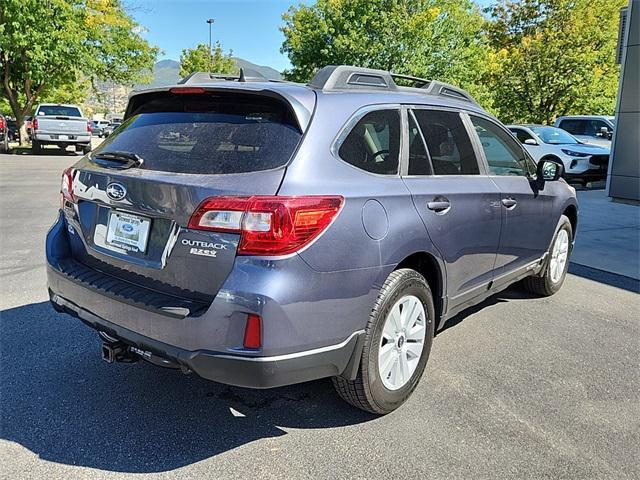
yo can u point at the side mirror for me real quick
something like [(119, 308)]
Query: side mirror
[(530, 141), (603, 132), (549, 171)]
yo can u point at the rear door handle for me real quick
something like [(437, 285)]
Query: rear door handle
[(439, 205), (509, 202)]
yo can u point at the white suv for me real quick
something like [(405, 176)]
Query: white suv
[(583, 162)]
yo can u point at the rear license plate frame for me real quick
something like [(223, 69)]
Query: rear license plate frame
[(119, 238)]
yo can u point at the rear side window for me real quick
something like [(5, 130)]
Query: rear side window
[(59, 110), (418, 157), (374, 143), (208, 134), (449, 145)]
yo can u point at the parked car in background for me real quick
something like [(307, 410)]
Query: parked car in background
[(4, 134), (596, 129), (12, 125), (262, 234), (583, 162), (98, 127), (108, 130), (60, 125)]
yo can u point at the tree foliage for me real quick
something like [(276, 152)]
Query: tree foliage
[(198, 59), (440, 39), (48, 46), (553, 57)]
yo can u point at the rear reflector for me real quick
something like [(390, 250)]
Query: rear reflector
[(269, 225), (253, 332)]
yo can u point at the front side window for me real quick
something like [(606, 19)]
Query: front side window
[(575, 127), (504, 155), (521, 134), (373, 144), (449, 145)]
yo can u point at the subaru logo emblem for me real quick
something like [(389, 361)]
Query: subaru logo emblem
[(116, 191)]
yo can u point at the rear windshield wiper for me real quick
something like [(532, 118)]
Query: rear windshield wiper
[(118, 160)]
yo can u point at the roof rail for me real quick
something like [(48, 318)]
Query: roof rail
[(246, 75), (344, 77)]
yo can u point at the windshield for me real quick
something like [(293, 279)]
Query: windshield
[(207, 135), (59, 111), (554, 136)]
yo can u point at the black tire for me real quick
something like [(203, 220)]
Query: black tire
[(367, 391), (36, 147), (86, 149), (542, 284), (4, 147)]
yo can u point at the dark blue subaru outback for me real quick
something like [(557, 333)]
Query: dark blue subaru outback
[(262, 234)]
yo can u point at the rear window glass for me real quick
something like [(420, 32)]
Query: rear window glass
[(208, 134), (59, 110)]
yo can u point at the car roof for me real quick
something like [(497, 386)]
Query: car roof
[(330, 82), (585, 117), (58, 105)]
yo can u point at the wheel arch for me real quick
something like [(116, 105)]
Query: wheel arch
[(430, 268), (571, 212)]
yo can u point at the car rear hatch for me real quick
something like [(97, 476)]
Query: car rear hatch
[(128, 204)]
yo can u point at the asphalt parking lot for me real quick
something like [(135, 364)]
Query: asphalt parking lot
[(518, 387)]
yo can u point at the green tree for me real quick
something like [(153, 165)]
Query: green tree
[(438, 39), (198, 60), (53, 45), (553, 57)]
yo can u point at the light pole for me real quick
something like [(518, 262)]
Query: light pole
[(210, 22)]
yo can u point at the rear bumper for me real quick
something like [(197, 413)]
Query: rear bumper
[(55, 138), (310, 329), (241, 371)]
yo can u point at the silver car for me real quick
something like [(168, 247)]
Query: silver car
[(596, 129), (583, 162)]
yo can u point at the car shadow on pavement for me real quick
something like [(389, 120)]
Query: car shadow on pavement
[(514, 292), (55, 152), (62, 402)]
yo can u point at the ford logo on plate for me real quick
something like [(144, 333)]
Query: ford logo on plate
[(116, 191), (127, 228)]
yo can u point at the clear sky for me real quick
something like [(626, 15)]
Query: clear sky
[(248, 27)]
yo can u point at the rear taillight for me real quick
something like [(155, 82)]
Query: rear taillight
[(2, 123), (89, 127), (66, 188), (34, 124), (268, 225)]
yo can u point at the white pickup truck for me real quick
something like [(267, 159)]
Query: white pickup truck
[(61, 125)]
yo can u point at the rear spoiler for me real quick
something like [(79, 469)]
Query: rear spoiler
[(300, 99)]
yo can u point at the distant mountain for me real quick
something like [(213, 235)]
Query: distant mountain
[(167, 72), (268, 72)]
